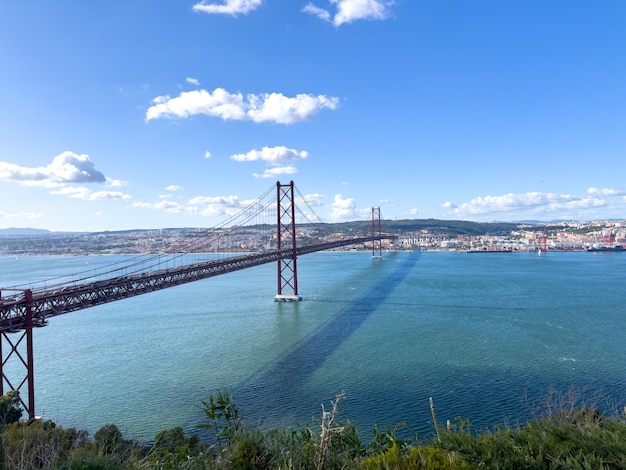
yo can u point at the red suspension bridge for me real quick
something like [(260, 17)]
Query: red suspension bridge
[(26, 307)]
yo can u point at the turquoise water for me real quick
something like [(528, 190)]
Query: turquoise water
[(492, 338)]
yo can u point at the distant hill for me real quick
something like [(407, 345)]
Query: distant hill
[(434, 226), (23, 232)]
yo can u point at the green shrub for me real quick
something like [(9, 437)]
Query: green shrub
[(39, 444), (92, 462), (10, 408), (573, 438), (421, 457)]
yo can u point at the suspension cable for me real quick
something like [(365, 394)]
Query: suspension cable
[(144, 262)]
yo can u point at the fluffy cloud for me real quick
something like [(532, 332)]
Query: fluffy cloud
[(528, 204), (76, 192), (229, 7), (348, 11), (28, 215), (314, 200), (111, 183), (212, 206), (223, 201), (67, 167), (317, 11), (193, 81), (605, 191), (276, 171), (271, 155), (80, 192), (166, 206), (267, 107), (208, 206), (174, 187), (413, 212), (345, 209)]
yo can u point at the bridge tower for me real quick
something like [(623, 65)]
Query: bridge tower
[(25, 357), (377, 248), (286, 244)]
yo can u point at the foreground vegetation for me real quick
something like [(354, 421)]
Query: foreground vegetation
[(575, 438)]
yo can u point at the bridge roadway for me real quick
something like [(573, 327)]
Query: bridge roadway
[(58, 301)]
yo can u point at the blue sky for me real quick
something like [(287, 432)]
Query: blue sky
[(148, 114)]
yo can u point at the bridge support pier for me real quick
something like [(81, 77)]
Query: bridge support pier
[(286, 244), (26, 358)]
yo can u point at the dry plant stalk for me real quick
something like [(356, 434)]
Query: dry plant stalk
[(432, 410), (327, 430)]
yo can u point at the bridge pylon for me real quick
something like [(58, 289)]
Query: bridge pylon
[(376, 231), (286, 244), (24, 355)]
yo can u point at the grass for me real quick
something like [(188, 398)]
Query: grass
[(577, 437)]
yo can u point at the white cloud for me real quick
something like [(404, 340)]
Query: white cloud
[(166, 206), (208, 206), (174, 187), (605, 191), (266, 107), (108, 195), (276, 171), (67, 167), (271, 155), (229, 7), (526, 205), (348, 11), (76, 192), (345, 209), (224, 201), (207, 154), (314, 200), (28, 215), (81, 192), (414, 211), (212, 206), (317, 11), (193, 81), (111, 183)]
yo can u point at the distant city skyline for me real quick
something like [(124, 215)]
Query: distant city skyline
[(147, 115)]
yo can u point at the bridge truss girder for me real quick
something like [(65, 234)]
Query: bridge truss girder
[(46, 304)]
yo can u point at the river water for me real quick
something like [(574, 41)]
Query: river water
[(493, 338)]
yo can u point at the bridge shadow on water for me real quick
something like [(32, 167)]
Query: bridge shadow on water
[(277, 387)]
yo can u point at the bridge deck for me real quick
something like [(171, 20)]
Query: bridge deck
[(53, 302)]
